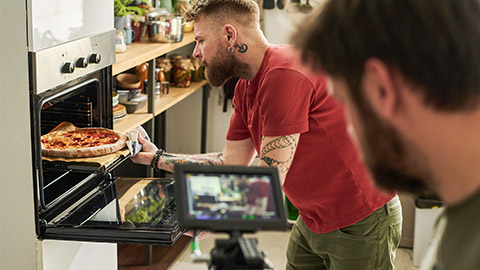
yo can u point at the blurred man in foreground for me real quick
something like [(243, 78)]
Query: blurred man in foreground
[(284, 115), (408, 75)]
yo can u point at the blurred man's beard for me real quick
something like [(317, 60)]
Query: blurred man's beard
[(220, 68), (395, 163)]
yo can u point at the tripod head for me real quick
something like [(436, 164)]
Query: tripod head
[(233, 253)]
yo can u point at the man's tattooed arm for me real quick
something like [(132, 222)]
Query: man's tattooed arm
[(168, 160), (279, 152)]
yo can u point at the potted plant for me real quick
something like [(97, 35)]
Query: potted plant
[(123, 9)]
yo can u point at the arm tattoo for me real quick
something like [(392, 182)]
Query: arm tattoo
[(202, 159), (285, 143)]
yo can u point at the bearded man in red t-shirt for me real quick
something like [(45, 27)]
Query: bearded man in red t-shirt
[(284, 115)]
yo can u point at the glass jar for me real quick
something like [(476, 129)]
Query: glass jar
[(197, 72), (165, 65), (174, 58), (120, 41), (183, 72)]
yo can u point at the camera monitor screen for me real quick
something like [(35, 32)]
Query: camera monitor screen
[(228, 198)]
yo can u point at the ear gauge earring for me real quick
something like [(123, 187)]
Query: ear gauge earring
[(230, 49)]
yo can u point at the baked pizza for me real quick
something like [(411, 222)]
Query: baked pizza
[(82, 142)]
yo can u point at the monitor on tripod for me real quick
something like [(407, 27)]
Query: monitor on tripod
[(229, 198)]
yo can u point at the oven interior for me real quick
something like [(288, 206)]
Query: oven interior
[(80, 198)]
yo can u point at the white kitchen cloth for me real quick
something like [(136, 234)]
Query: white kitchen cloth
[(132, 143)]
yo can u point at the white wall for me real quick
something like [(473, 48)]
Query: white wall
[(17, 227), (184, 123), (184, 120), (280, 24)]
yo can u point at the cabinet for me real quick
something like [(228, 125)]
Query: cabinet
[(141, 52)]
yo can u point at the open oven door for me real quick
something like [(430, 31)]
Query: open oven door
[(117, 210)]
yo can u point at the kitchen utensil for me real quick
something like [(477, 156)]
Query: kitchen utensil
[(134, 104), (114, 99), (165, 28), (127, 95), (128, 81), (130, 36), (137, 27)]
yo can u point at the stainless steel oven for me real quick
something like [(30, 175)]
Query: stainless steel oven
[(86, 200)]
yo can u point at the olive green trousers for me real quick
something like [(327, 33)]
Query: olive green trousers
[(368, 244)]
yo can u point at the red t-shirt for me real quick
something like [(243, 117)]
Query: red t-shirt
[(327, 181)]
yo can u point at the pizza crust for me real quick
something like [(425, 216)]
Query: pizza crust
[(91, 151)]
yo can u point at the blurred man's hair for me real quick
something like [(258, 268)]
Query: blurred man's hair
[(435, 44), (244, 11)]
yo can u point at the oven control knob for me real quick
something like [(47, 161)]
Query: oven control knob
[(82, 62), (68, 68), (94, 58)]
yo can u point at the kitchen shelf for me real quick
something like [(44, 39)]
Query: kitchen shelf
[(161, 104), (177, 94), (131, 121), (140, 52)]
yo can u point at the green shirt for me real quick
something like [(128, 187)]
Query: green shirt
[(456, 239)]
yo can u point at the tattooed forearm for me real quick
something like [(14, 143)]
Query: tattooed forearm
[(169, 160), (279, 143), (279, 152)]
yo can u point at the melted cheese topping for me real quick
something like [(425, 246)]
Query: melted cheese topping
[(78, 139)]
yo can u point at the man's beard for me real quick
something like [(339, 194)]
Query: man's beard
[(395, 163), (220, 68)]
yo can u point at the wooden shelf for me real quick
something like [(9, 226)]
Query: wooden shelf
[(176, 94), (131, 121), (140, 52), (161, 104)]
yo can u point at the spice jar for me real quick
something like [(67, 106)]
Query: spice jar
[(197, 72), (183, 72), (165, 65), (174, 58)]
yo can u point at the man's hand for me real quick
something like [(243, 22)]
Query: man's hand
[(146, 155)]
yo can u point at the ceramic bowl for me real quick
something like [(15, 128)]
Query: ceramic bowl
[(128, 81)]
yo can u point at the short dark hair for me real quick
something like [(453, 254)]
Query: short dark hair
[(435, 44), (246, 11)]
